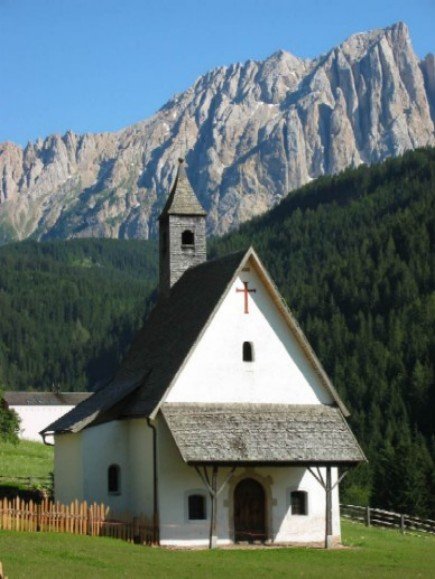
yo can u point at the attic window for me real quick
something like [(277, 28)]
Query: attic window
[(248, 352), (114, 479), (188, 238), (298, 501), (196, 506)]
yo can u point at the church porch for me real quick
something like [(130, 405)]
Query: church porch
[(216, 503)]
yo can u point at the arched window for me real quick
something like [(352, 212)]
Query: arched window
[(299, 503), (187, 237), (197, 507), (248, 352), (114, 479)]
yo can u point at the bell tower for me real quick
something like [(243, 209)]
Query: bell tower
[(182, 238)]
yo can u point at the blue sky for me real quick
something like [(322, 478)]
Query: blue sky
[(100, 65)]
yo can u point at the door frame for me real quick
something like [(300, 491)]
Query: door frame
[(266, 482)]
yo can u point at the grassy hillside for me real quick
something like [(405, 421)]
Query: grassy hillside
[(370, 553), (25, 459)]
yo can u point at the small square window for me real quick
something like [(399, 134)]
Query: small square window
[(197, 510), (298, 501), (188, 238)]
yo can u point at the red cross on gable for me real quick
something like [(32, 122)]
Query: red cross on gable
[(246, 291)]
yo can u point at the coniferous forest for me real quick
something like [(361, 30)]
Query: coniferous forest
[(353, 256), (69, 309)]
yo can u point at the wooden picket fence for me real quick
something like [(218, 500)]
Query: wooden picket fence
[(379, 517), (78, 518)]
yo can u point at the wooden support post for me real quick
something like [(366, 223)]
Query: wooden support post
[(214, 492), (213, 522), (367, 516), (328, 514)]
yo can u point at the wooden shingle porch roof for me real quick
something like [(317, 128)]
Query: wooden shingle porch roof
[(261, 434)]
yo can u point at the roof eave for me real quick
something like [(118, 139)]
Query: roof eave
[(280, 463)]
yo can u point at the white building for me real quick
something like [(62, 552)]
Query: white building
[(221, 424), (36, 410)]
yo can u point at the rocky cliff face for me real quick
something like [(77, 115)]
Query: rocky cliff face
[(252, 132)]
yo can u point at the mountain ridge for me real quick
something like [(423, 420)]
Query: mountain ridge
[(252, 131)]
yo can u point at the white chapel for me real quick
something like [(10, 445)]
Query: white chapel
[(221, 425)]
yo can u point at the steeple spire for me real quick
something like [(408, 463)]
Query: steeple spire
[(182, 239), (182, 200)]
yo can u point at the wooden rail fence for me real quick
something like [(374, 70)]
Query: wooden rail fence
[(82, 518), (78, 518), (379, 517)]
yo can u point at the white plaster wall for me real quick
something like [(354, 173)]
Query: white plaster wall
[(302, 528), (128, 444), (82, 461), (68, 468), (177, 480), (140, 468), (280, 373), (104, 445), (35, 418)]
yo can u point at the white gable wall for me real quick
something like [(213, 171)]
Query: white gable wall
[(36, 417), (280, 373)]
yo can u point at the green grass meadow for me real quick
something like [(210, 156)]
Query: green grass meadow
[(368, 553), (25, 459)]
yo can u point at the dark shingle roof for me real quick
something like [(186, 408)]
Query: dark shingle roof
[(44, 398), (261, 433), (182, 200), (160, 348)]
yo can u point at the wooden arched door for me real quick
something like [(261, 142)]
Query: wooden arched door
[(249, 511)]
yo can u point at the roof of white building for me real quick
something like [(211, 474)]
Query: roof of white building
[(171, 331), (13, 398)]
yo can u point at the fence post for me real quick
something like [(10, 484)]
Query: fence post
[(89, 521), (136, 530), (38, 516), (367, 516), (402, 523)]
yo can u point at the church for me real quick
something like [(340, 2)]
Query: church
[(221, 425)]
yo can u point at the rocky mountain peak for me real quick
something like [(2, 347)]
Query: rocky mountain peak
[(253, 131)]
